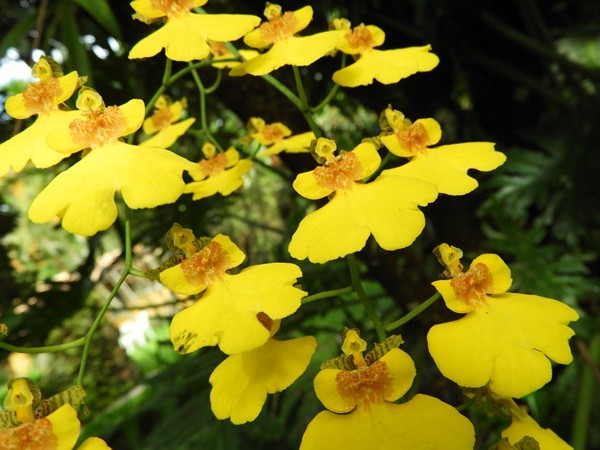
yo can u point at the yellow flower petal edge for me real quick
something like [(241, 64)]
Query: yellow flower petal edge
[(386, 66), (184, 38), (523, 425), (505, 342), (387, 208), (422, 423), (228, 313), (65, 426), (83, 195), (241, 382), (93, 443)]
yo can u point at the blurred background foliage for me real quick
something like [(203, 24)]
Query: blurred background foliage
[(522, 73)]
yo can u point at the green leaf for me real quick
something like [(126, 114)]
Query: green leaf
[(100, 11), (18, 31)]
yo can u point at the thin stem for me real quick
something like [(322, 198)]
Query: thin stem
[(212, 88), (586, 394), (366, 301), (90, 334), (47, 349), (137, 273), (203, 119), (414, 313), (304, 107), (284, 90), (327, 294), (332, 92)]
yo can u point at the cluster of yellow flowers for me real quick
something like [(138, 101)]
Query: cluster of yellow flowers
[(504, 342)]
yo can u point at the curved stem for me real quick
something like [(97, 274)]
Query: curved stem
[(90, 334), (284, 90), (327, 294), (332, 92), (203, 119), (304, 107), (366, 301), (48, 349), (212, 88), (412, 314)]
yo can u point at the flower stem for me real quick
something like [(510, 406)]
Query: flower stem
[(414, 313), (90, 334), (48, 349), (327, 294), (332, 92), (586, 394), (366, 301), (304, 107), (203, 121)]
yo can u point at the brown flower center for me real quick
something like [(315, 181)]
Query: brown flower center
[(173, 8), (214, 165), (339, 173), (31, 436), (98, 128), (360, 38), (209, 264), (39, 97), (279, 27), (473, 285), (414, 138), (365, 385)]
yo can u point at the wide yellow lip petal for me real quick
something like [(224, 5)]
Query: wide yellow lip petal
[(423, 423), (297, 51), (446, 166), (386, 66), (65, 426), (505, 343), (227, 313), (83, 195), (386, 207), (242, 382)]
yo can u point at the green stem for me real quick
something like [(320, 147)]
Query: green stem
[(414, 313), (366, 301), (327, 294), (332, 92), (203, 119), (304, 107), (90, 334), (137, 273), (48, 349), (586, 395), (212, 88), (284, 90)]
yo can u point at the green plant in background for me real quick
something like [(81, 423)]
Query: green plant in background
[(363, 169)]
